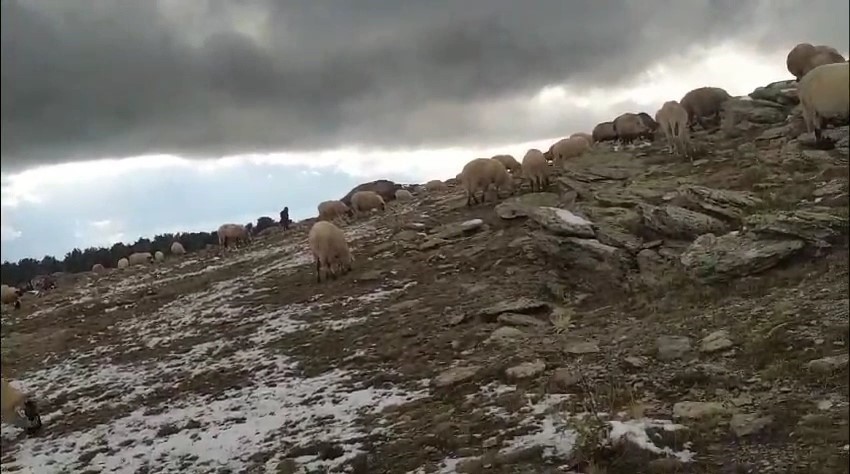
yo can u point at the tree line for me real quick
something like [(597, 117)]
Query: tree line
[(76, 261)]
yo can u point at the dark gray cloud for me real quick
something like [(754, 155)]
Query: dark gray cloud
[(85, 79)]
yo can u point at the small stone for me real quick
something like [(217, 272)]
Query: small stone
[(746, 424), (825, 405), (490, 442), (697, 410), (516, 319), (456, 375), (519, 305), (505, 334), (563, 379), (562, 222), (581, 347), (526, 370), (635, 362), (472, 224), (829, 364), (716, 341), (672, 347), (742, 400), (408, 235)]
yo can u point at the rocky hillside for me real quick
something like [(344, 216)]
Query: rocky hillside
[(645, 314)]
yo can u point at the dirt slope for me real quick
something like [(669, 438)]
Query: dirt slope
[(505, 339)]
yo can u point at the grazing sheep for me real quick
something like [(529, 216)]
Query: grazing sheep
[(629, 127), (11, 295), (704, 102), (385, 188), (822, 55), (159, 256), (332, 210), (234, 233), (500, 178), (330, 250), (824, 94), (798, 58), (403, 195), (177, 249), (511, 164), (140, 258), (435, 185), (479, 174), (567, 148), (604, 132), (123, 263), (98, 268), (535, 169), (364, 201), (14, 402), (649, 123), (673, 120), (587, 137)]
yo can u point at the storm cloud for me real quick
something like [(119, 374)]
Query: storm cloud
[(85, 79)]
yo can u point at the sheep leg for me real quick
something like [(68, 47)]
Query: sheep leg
[(318, 271)]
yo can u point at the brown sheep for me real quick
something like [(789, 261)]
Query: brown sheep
[(604, 132), (568, 148), (823, 55), (797, 59), (435, 185), (630, 127), (364, 201), (511, 164), (332, 210), (535, 169), (704, 102)]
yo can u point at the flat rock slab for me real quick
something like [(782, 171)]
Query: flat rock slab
[(714, 259), (520, 206), (456, 375), (811, 226), (562, 222), (716, 341), (526, 370), (678, 222), (519, 305), (672, 347), (698, 410)]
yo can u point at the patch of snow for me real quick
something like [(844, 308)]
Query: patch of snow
[(635, 431)]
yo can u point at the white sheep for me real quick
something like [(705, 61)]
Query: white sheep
[(140, 258), (510, 163), (11, 295), (330, 250), (159, 256), (403, 195), (98, 268), (123, 263), (673, 120), (824, 94), (587, 137), (364, 201), (232, 233), (332, 210), (479, 174), (435, 185), (535, 169), (177, 249), (568, 148), (18, 408)]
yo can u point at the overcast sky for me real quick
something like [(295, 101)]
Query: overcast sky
[(279, 87)]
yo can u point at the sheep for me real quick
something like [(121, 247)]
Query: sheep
[(479, 174), (804, 57), (234, 233), (13, 403), (649, 123), (11, 295), (403, 195), (365, 201), (159, 256), (123, 263), (332, 210), (587, 137), (822, 55), (140, 258), (435, 185), (629, 127), (330, 250), (511, 164), (98, 268), (604, 132), (703, 102), (568, 148), (177, 249), (673, 120), (535, 169), (823, 94)]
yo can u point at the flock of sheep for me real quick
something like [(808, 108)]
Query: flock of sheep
[(823, 89)]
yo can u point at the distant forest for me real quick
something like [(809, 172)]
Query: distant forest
[(77, 260)]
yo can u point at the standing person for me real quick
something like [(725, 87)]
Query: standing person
[(284, 218)]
